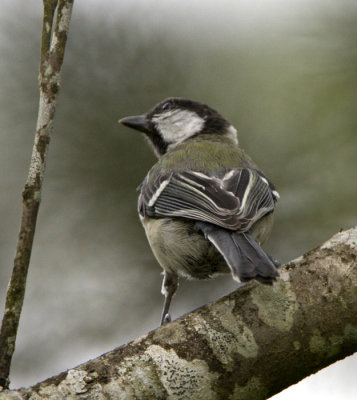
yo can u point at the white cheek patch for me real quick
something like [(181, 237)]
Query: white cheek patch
[(175, 126)]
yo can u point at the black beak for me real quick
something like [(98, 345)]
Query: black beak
[(138, 122)]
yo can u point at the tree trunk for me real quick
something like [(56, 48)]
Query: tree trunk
[(251, 344)]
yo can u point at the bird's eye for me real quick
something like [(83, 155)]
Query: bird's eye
[(167, 106)]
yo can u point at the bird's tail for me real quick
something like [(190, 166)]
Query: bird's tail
[(245, 258)]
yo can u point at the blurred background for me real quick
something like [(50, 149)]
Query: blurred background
[(284, 73)]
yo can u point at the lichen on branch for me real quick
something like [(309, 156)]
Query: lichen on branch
[(250, 344)]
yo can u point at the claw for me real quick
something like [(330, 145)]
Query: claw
[(169, 286), (166, 319)]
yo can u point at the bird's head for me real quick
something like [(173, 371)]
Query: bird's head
[(175, 120)]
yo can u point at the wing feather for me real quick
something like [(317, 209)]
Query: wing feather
[(235, 201)]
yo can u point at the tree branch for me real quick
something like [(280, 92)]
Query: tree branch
[(52, 52), (250, 344)]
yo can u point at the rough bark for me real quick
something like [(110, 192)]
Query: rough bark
[(52, 52), (250, 344)]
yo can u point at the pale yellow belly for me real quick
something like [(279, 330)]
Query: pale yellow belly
[(179, 249)]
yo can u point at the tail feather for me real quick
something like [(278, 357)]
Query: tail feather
[(245, 258), (265, 269)]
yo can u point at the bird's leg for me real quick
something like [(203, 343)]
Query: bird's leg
[(169, 287)]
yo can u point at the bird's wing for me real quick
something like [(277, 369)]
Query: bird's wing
[(234, 201)]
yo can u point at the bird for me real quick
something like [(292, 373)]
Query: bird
[(205, 206)]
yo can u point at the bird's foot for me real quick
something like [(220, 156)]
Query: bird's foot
[(166, 319)]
